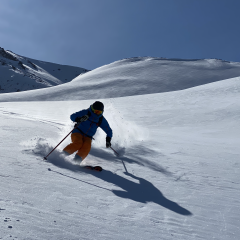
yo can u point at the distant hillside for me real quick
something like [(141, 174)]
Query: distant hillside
[(134, 76), (18, 73)]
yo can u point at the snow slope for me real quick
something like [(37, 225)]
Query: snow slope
[(177, 177), (19, 73), (135, 76)]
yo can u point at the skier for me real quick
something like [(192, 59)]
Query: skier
[(88, 120)]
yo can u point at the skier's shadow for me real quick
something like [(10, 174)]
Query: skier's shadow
[(143, 191)]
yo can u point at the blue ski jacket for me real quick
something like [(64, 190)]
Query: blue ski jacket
[(90, 126)]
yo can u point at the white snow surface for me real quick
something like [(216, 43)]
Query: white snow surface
[(178, 176)]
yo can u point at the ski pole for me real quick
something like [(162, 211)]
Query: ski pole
[(114, 151), (121, 159), (62, 141)]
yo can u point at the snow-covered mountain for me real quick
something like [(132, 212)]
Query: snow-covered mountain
[(18, 73), (175, 124), (135, 76)]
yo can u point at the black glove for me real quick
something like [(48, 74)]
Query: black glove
[(108, 142), (82, 119)]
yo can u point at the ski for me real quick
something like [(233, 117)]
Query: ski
[(95, 168)]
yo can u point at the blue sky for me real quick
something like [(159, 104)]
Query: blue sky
[(92, 33)]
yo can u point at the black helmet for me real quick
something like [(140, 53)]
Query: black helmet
[(98, 106)]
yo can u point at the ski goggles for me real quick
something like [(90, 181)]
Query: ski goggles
[(98, 112)]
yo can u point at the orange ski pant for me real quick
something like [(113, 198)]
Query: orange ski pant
[(80, 143)]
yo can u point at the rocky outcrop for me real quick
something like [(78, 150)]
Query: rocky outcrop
[(7, 55)]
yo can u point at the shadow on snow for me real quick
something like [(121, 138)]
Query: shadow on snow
[(142, 192)]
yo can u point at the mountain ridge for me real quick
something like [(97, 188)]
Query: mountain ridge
[(20, 73)]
